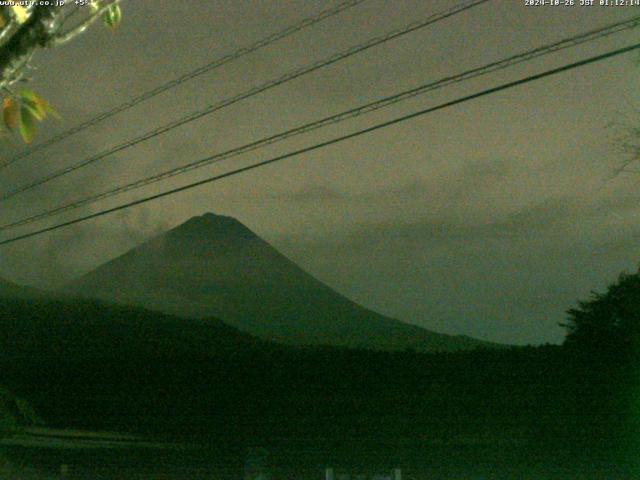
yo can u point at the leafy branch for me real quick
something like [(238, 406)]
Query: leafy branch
[(24, 30), (23, 110)]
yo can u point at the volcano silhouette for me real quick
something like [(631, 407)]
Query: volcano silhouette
[(213, 265)]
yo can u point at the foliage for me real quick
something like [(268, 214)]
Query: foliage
[(112, 16), (23, 30), (23, 110), (608, 321)]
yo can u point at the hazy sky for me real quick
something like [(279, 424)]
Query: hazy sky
[(488, 219)]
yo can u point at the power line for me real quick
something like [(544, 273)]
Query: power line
[(327, 143), (217, 63), (342, 116), (249, 93)]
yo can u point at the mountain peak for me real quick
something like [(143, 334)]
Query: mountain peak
[(211, 225), (210, 219)]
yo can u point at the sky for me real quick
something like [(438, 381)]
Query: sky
[(488, 219)]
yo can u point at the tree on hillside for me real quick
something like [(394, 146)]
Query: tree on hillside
[(609, 320), (24, 29)]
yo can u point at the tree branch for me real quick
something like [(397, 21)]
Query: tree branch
[(41, 29), (33, 33), (62, 38), (9, 29), (13, 24)]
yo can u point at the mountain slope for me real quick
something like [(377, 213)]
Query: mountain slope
[(13, 290), (35, 329), (215, 266)]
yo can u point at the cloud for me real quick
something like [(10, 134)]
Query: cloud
[(50, 260)]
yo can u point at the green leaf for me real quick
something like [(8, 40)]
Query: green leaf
[(50, 110), (27, 94), (113, 16), (34, 103), (27, 124), (36, 112), (39, 104), (20, 13), (10, 112)]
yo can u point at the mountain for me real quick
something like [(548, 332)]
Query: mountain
[(47, 329), (13, 290), (213, 265)]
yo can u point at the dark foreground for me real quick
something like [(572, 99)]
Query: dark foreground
[(182, 462), (218, 404)]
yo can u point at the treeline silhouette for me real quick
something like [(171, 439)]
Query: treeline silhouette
[(98, 366)]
